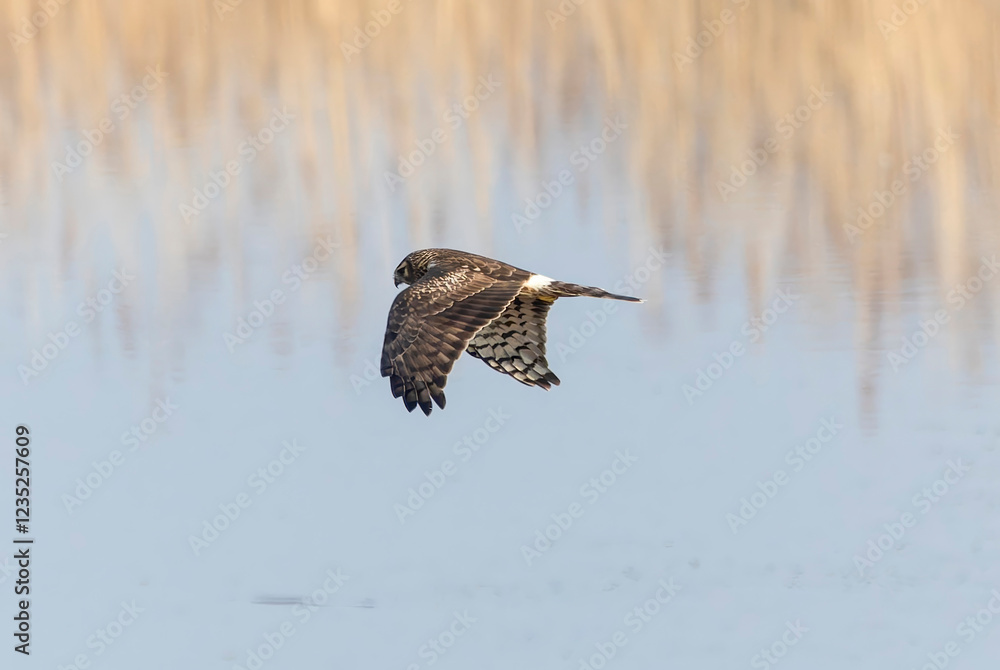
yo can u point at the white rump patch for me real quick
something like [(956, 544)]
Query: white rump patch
[(538, 281)]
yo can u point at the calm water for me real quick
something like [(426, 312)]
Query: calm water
[(789, 449)]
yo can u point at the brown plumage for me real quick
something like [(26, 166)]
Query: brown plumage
[(457, 302)]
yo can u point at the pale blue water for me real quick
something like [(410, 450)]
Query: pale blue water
[(752, 501)]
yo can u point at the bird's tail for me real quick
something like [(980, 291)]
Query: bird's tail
[(565, 289)]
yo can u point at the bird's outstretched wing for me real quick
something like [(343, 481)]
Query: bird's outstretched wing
[(430, 324), (514, 342)]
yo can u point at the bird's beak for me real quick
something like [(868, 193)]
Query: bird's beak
[(395, 280)]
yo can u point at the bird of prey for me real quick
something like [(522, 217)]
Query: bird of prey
[(457, 301)]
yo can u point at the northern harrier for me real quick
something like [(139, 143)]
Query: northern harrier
[(457, 302)]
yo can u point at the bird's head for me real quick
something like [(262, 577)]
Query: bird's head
[(412, 268)]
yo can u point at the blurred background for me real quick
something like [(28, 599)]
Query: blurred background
[(705, 155), (361, 104)]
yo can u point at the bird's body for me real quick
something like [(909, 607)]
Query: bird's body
[(458, 302)]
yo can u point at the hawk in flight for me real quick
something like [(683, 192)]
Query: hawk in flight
[(458, 302)]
